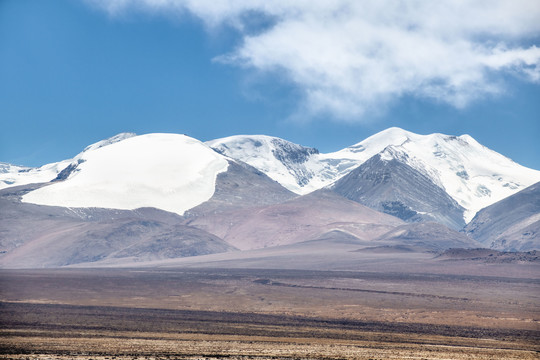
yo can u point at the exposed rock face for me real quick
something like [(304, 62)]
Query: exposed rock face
[(296, 167), (68, 171), (512, 224), (471, 174), (293, 156), (183, 199), (241, 186), (395, 188)]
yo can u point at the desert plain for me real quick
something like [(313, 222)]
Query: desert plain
[(440, 309)]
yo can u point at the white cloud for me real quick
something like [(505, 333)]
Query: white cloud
[(350, 57)]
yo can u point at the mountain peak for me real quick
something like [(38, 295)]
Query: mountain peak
[(109, 141), (470, 173), (290, 164), (467, 171), (390, 136)]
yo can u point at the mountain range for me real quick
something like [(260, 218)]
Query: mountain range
[(155, 197)]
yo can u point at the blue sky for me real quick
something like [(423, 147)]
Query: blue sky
[(73, 72)]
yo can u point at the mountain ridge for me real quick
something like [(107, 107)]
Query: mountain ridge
[(472, 174), (236, 192), (389, 185)]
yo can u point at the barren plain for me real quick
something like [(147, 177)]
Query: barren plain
[(216, 313)]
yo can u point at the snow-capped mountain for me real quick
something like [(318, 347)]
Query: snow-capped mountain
[(298, 168), (471, 174), (385, 182), (166, 171), (161, 196), (13, 175), (295, 167)]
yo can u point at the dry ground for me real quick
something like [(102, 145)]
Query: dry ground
[(265, 314)]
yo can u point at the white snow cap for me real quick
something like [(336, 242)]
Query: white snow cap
[(175, 172), (470, 173), (12, 175), (166, 171), (294, 166)]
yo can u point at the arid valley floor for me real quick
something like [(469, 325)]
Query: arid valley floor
[(216, 313)]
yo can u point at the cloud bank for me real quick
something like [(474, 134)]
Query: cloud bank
[(349, 58)]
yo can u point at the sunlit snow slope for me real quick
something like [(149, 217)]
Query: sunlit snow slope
[(298, 168), (166, 171), (295, 167), (160, 170), (470, 173), (13, 175)]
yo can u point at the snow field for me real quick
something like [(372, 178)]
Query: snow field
[(166, 171)]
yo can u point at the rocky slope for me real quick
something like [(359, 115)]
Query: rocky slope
[(36, 236), (149, 198), (388, 184), (510, 224), (471, 174)]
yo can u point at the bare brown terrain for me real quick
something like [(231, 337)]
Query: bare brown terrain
[(202, 313)]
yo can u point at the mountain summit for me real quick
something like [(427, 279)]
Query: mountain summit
[(160, 197), (470, 173), (177, 173)]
